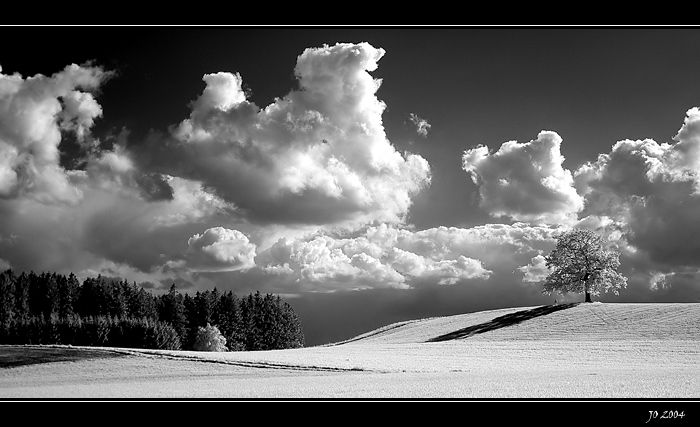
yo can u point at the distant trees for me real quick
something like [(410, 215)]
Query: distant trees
[(171, 309), (50, 308), (580, 263), (270, 323)]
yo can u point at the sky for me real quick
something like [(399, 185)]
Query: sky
[(368, 175)]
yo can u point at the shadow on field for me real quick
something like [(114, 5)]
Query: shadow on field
[(14, 356), (503, 321)]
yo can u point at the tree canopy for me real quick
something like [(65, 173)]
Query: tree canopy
[(50, 308), (580, 263)]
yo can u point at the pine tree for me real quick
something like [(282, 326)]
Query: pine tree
[(230, 321), (68, 289), (172, 310), (119, 296), (49, 299), (214, 303), (22, 296), (7, 297), (205, 308), (293, 336), (36, 294), (142, 304), (91, 301), (250, 320), (270, 318)]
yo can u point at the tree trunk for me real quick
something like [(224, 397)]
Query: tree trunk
[(586, 276), (585, 288)]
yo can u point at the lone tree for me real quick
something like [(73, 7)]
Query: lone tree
[(580, 263)]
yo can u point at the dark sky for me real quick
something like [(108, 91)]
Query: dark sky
[(235, 157)]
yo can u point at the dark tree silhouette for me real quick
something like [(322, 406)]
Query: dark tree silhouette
[(53, 308), (7, 297), (172, 310)]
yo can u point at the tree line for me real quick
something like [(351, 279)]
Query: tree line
[(51, 308)]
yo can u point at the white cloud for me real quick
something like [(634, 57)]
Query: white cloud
[(525, 181), (223, 92), (220, 249), (317, 156), (649, 191), (385, 255), (422, 125), (319, 263), (445, 271), (687, 148), (536, 270), (34, 112), (234, 190)]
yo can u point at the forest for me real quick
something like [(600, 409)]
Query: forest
[(51, 308)]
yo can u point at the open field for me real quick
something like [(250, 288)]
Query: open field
[(578, 351)]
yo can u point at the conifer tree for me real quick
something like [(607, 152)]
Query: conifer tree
[(293, 336), (22, 296), (91, 298), (142, 304), (172, 310), (36, 294), (230, 321), (119, 296), (68, 289), (7, 297), (49, 298)]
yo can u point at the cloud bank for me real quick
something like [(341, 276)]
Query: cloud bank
[(309, 195), (187, 200)]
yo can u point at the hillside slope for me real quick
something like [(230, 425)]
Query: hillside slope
[(616, 335), (571, 351), (578, 321)]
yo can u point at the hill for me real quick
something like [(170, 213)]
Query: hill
[(576, 321), (564, 336), (596, 350)]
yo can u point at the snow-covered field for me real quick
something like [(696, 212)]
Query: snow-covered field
[(644, 351)]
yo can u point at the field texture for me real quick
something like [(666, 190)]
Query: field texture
[(576, 351)]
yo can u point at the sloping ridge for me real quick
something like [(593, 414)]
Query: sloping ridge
[(502, 322), (433, 329), (579, 321)]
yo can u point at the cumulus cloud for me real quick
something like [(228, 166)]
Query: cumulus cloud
[(113, 222), (536, 270), (33, 114), (525, 181), (643, 196), (323, 263), (444, 272), (650, 191), (233, 191), (317, 156), (115, 171), (389, 256), (220, 249)]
